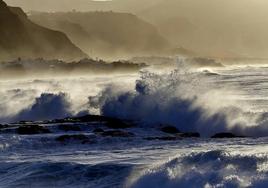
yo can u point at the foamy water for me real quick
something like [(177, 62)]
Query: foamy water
[(218, 100)]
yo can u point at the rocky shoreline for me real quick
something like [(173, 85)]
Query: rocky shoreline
[(84, 129)]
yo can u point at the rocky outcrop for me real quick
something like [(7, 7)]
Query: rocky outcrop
[(109, 122), (178, 134), (32, 129), (170, 129), (226, 135)]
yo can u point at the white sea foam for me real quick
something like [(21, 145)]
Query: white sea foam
[(206, 169), (204, 102), (191, 101)]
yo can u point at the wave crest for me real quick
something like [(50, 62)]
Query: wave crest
[(206, 169), (186, 100)]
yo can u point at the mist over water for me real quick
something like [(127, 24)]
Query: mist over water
[(190, 99), (48, 98), (204, 100)]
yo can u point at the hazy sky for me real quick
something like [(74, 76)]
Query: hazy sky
[(134, 5), (53, 5), (83, 5), (58, 5)]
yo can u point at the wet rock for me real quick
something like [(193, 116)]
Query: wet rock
[(32, 129), (170, 130), (190, 135), (80, 137), (226, 135), (117, 124), (117, 133), (113, 123), (69, 128)]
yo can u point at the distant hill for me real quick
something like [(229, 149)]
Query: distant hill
[(21, 38), (106, 34), (38, 68), (212, 28)]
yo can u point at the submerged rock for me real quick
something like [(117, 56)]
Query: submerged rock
[(32, 129), (79, 137), (117, 133), (226, 135), (170, 130)]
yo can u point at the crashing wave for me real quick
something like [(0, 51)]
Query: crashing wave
[(187, 100), (191, 101), (206, 169)]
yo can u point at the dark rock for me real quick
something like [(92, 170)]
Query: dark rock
[(225, 135), (32, 129), (170, 130), (177, 136), (98, 130), (117, 124), (112, 123), (59, 121), (69, 128), (117, 133), (190, 135), (80, 137), (3, 126)]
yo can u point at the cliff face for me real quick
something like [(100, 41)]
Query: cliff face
[(19, 37), (106, 34)]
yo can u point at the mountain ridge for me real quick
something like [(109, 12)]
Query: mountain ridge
[(106, 33), (21, 38)]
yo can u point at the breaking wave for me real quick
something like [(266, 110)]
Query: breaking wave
[(207, 169), (45, 107), (189, 101)]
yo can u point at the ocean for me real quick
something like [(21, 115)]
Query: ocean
[(228, 99)]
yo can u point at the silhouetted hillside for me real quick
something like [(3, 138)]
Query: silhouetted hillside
[(53, 68), (106, 34), (19, 37)]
